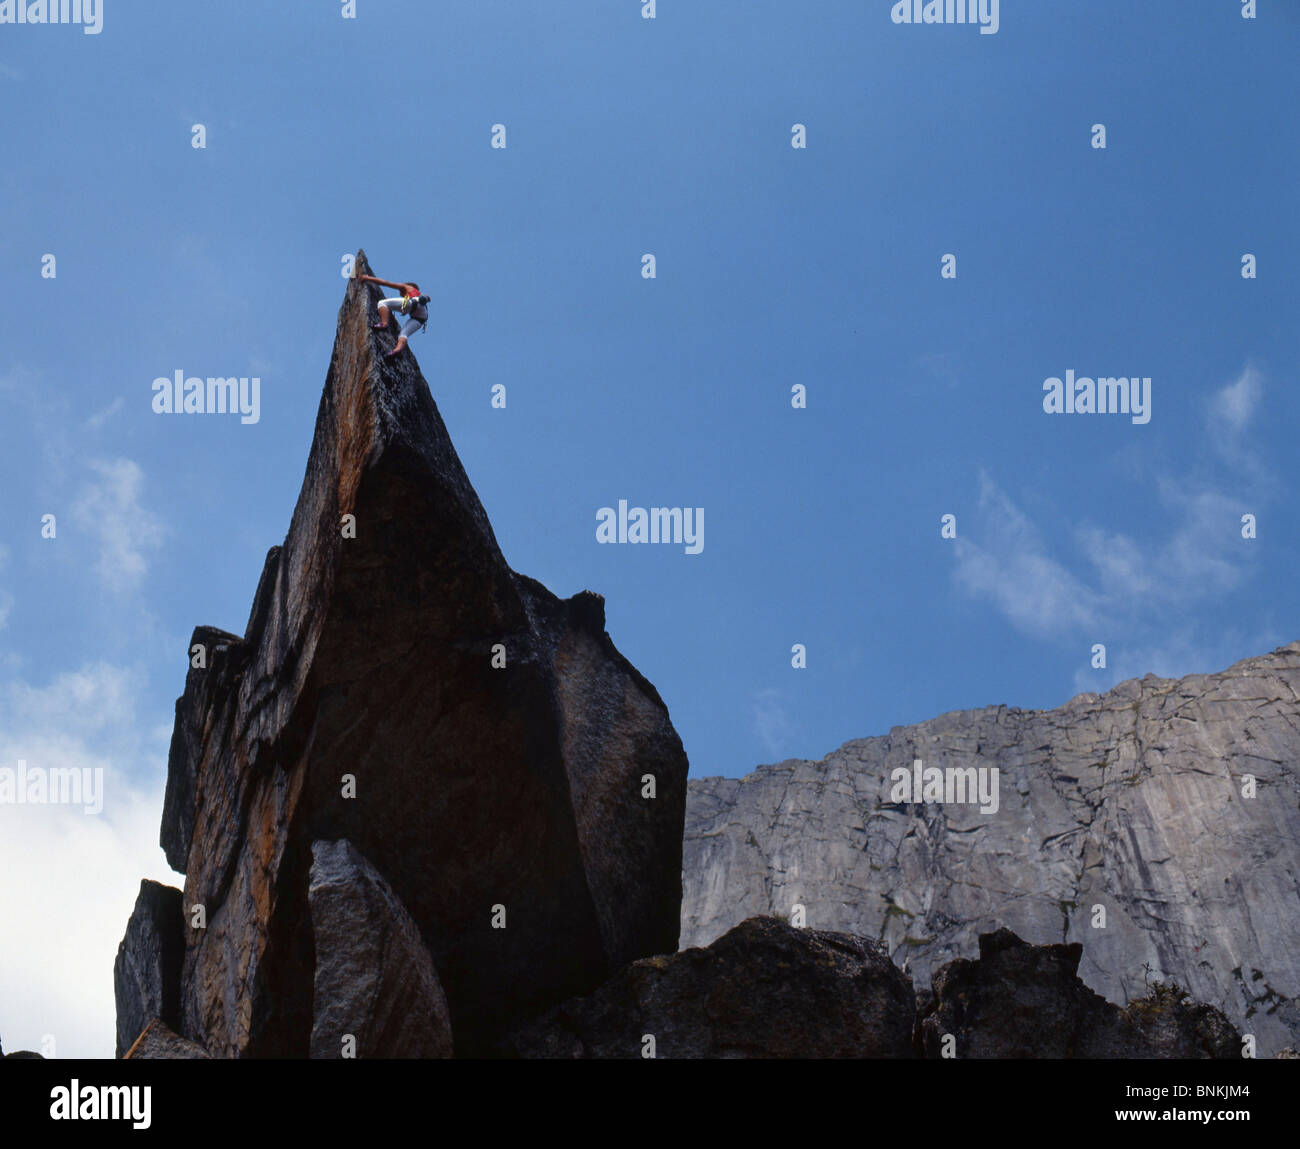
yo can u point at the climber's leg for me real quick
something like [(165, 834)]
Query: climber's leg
[(409, 328), (385, 305)]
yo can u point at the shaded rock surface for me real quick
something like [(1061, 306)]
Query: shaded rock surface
[(159, 1043), (1131, 800), (375, 981), (147, 972), (763, 990), (361, 703), (19, 1054), (1020, 1001)]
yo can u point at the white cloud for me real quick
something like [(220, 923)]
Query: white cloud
[(1121, 564), (1229, 414), (771, 723), (1232, 406), (1199, 559), (77, 704), (99, 418), (1011, 568), (1113, 581), (60, 925), (110, 511)]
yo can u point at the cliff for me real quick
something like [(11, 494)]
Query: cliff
[(1134, 804)]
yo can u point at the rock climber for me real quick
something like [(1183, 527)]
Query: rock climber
[(410, 303)]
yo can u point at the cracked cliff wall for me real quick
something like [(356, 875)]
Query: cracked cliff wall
[(1131, 800)]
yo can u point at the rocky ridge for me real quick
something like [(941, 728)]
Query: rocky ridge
[(1134, 803), (426, 809)]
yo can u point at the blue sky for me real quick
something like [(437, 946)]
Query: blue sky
[(776, 266)]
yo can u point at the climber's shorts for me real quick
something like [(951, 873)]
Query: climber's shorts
[(411, 324)]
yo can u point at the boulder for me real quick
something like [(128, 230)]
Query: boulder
[(375, 982), (158, 1043), (1025, 1001), (147, 972), (763, 990)]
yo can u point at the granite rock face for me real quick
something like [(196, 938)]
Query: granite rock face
[(157, 1042), (479, 742), (763, 990), (1132, 803), (375, 982), (1022, 1001), (147, 972)]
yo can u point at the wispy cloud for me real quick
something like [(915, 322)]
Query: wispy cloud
[(61, 925), (1115, 579), (1011, 567), (1232, 406), (109, 509), (99, 418), (1097, 579), (771, 723), (1201, 557), (1228, 415), (76, 704)]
